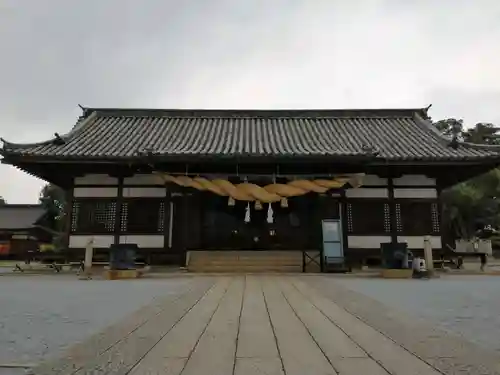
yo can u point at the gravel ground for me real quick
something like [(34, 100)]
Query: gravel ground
[(42, 315), (467, 306)]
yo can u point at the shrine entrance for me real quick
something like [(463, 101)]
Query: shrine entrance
[(269, 226)]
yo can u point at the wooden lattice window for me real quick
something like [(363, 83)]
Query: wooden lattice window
[(435, 217), (95, 216), (387, 218), (418, 218), (350, 226), (143, 216), (399, 223), (368, 217)]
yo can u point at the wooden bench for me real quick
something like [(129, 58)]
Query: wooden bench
[(36, 267), (58, 267), (71, 265), (441, 263)]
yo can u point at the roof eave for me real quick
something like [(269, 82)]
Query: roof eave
[(11, 147), (448, 142), (13, 158), (482, 147), (444, 161)]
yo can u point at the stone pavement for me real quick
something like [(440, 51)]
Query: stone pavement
[(41, 316), (248, 325), (465, 306)]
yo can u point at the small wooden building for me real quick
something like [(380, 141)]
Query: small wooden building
[(165, 179), (22, 229)]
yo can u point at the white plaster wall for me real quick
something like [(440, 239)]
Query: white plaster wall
[(414, 179), (371, 179), (367, 193), (80, 241), (96, 179), (144, 179), (144, 192), (146, 240), (95, 192), (366, 242), (417, 242), (415, 193)]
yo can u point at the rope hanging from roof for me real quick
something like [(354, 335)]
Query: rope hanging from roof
[(249, 192)]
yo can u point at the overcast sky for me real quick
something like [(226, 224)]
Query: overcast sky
[(55, 54)]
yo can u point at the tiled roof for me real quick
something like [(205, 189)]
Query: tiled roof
[(19, 216), (394, 134)]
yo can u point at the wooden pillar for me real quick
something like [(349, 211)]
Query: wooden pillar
[(68, 213), (429, 261), (343, 221), (185, 227), (442, 235), (118, 213), (168, 221), (202, 213), (392, 210)]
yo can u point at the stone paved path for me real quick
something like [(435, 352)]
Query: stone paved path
[(243, 325)]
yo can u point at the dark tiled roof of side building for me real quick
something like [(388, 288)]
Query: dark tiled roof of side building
[(20, 216), (390, 134)]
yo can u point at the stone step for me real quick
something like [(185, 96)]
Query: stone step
[(256, 260), (243, 254), (235, 265), (247, 256), (245, 261), (255, 256), (247, 268), (263, 259), (250, 261)]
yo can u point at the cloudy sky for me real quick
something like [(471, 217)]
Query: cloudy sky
[(56, 54)]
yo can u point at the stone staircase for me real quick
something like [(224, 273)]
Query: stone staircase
[(244, 261)]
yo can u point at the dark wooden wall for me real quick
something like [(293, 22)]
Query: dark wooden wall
[(205, 221)]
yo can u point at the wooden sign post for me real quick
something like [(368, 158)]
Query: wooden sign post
[(89, 253), (429, 261)]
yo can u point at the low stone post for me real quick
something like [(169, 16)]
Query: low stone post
[(429, 261), (89, 253)]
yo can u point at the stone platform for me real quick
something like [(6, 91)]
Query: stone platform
[(265, 324), (396, 273), (122, 274)]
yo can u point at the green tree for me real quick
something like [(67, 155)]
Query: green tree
[(53, 198), (2, 201), (482, 133), (450, 126), (473, 203)]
